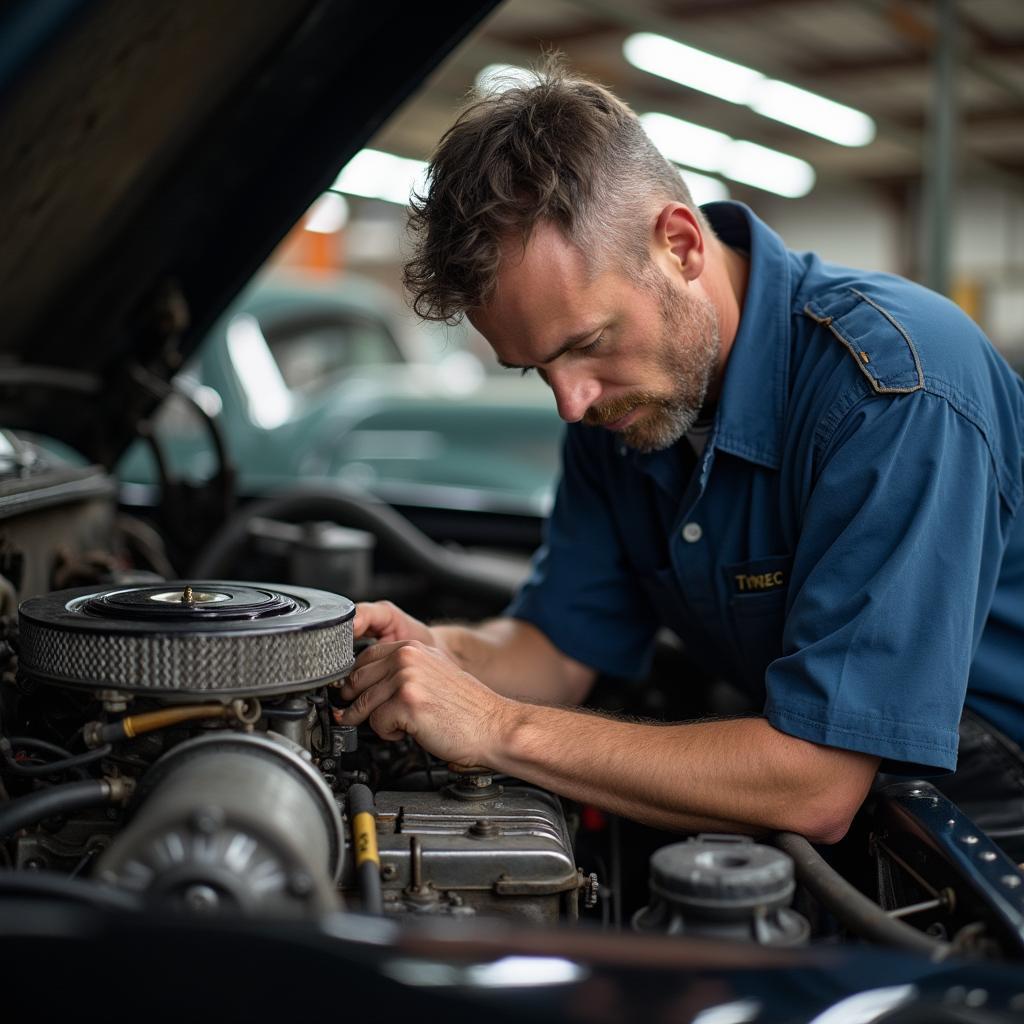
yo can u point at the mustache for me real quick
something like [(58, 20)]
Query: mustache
[(614, 409)]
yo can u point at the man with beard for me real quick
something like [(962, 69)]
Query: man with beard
[(811, 474)]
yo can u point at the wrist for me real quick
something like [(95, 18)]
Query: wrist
[(446, 640), (513, 726)]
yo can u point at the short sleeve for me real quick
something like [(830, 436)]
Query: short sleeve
[(581, 593), (892, 581)]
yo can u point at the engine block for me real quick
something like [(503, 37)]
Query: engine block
[(507, 853)]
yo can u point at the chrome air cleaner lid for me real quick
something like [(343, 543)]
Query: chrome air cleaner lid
[(188, 639)]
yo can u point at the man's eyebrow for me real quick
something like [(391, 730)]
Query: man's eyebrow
[(570, 342)]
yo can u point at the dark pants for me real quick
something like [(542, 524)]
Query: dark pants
[(988, 784)]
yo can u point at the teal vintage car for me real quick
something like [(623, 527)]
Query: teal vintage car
[(328, 378)]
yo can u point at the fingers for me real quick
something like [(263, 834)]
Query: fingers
[(373, 618), (411, 689), (386, 621), (380, 672), (390, 722), (373, 694), (371, 666), (379, 651)]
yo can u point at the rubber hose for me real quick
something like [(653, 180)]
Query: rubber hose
[(72, 796), (40, 771), (76, 890), (451, 569), (362, 816), (31, 743), (850, 905)]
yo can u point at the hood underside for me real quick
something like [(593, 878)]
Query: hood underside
[(153, 156)]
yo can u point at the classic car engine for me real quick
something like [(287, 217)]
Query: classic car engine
[(176, 739), (201, 479), (207, 707), (174, 744)]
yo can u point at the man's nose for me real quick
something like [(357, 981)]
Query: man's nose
[(574, 393)]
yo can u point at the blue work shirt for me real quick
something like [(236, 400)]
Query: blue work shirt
[(848, 548)]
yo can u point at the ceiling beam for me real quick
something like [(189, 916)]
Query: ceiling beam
[(970, 56)]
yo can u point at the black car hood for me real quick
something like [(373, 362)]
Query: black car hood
[(152, 155)]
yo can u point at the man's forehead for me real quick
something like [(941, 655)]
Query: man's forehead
[(546, 256), (542, 292)]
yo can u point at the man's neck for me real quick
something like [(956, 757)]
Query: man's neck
[(728, 289)]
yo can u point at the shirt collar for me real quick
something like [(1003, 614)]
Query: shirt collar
[(751, 408)]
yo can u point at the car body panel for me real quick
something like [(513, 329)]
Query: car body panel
[(400, 416)]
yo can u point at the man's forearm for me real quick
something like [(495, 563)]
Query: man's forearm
[(737, 775), (515, 659)]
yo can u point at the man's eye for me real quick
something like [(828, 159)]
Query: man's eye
[(524, 370), (587, 350)]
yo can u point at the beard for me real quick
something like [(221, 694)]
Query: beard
[(689, 345)]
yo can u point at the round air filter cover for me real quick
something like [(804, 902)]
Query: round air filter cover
[(182, 640)]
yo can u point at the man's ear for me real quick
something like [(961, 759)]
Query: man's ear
[(679, 241)]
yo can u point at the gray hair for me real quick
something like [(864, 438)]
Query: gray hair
[(553, 148)]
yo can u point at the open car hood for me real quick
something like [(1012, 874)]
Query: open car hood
[(153, 156)]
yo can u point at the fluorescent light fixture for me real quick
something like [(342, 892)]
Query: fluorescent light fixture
[(267, 396), (499, 77), (694, 146), (376, 175), (686, 143), (736, 83), (328, 214), (691, 67), (768, 169), (812, 113)]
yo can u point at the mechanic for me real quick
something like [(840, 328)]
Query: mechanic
[(811, 474)]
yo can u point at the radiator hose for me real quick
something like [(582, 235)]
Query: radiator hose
[(72, 796), (850, 905)]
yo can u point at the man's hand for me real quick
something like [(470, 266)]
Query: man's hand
[(407, 688), (512, 657), (386, 622)]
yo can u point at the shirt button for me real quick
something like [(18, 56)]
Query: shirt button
[(692, 533)]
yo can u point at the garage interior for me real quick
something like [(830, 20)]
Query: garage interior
[(937, 194), (179, 781)]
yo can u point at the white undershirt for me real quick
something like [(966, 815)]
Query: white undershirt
[(699, 433)]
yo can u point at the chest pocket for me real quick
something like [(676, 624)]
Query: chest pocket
[(758, 591)]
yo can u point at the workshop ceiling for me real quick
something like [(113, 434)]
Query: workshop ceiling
[(873, 55)]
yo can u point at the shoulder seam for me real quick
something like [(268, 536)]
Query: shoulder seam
[(849, 400), (830, 422)]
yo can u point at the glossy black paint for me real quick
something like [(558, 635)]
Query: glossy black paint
[(173, 968)]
